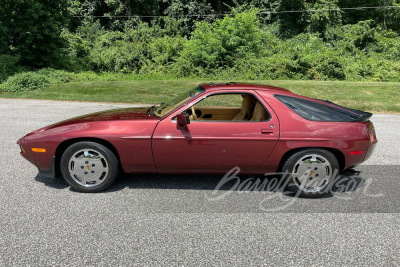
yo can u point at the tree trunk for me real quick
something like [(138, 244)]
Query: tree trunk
[(220, 7)]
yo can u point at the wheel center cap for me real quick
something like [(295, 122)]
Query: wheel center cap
[(311, 173), (88, 168)]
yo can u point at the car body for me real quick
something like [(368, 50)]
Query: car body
[(184, 137)]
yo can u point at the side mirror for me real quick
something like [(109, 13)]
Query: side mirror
[(182, 120)]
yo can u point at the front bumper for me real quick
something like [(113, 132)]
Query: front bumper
[(50, 173), (25, 151), (27, 154)]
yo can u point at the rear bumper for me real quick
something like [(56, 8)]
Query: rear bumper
[(370, 150), (50, 173), (373, 141)]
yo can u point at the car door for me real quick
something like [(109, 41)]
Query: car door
[(215, 144)]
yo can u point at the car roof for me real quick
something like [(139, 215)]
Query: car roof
[(241, 86)]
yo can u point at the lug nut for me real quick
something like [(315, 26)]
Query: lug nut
[(87, 162), (86, 173), (93, 165), (92, 171), (82, 167)]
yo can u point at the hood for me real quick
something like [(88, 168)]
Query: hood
[(107, 115)]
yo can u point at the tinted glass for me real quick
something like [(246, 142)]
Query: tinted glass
[(223, 100), (314, 111), (165, 108)]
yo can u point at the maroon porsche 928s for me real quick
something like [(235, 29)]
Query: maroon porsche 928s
[(209, 129)]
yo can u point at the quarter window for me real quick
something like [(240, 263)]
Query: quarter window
[(315, 111)]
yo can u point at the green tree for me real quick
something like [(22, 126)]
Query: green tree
[(113, 14), (386, 18), (328, 15), (266, 9), (291, 23), (33, 30), (299, 16), (184, 15)]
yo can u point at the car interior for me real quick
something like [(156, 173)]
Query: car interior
[(228, 107)]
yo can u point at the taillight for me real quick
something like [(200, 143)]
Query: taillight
[(372, 136)]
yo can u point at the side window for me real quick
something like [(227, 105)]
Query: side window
[(314, 111), (223, 100), (228, 107)]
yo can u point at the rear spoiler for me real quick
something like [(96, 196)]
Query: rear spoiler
[(361, 116)]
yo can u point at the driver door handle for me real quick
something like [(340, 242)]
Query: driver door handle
[(267, 131)]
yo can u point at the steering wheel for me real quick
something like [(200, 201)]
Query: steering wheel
[(194, 116)]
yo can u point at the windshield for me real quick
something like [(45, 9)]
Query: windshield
[(165, 108)]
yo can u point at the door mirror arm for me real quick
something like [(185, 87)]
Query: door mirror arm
[(182, 120), (187, 116)]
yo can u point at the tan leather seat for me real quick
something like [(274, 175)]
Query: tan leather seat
[(259, 114), (245, 110)]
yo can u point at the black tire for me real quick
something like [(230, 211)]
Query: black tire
[(311, 172), (89, 167)]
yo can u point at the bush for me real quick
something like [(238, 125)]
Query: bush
[(8, 66), (25, 81), (162, 55), (235, 47), (93, 48), (57, 76), (86, 76), (222, 43)]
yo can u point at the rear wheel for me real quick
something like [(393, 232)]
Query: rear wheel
[(311, 172), (89, 167)]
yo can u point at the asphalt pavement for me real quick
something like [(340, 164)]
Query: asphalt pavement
[(188, 220)]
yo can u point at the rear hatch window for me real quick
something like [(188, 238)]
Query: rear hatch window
[(320, 110)]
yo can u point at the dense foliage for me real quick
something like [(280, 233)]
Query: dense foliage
[(255, 39), (239, 46), (30, 31)]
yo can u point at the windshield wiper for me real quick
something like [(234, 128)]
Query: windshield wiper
[(149, 110)]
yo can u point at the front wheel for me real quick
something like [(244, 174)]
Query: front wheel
[(311, 172), (89, 167)]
